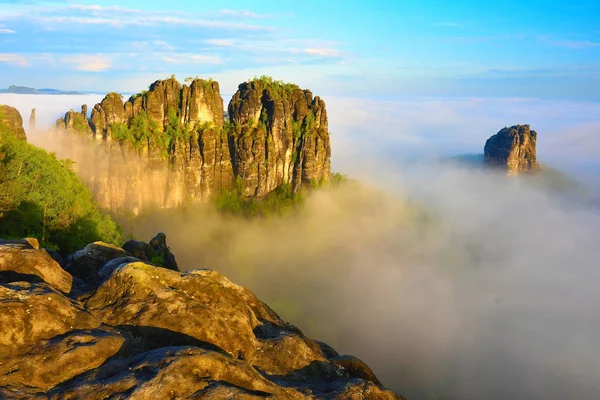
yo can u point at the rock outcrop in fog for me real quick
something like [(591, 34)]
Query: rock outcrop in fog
[(12, 118), (171, 145), (512, 149), (32, 120), (135, 330)]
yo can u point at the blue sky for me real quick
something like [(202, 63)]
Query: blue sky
[(375, 49)]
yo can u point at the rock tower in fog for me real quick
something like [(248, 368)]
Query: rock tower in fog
[(512, 149)]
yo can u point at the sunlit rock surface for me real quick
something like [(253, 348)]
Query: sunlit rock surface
[(12, 118), (173, 145), (146, 332), (512, 149)]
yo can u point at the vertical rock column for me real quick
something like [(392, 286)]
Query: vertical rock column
[(32, 121), (512, 149)]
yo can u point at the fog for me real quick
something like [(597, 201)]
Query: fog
[(450, 282), (478, 287)]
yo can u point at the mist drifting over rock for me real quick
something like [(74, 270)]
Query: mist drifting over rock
[(449, 282)]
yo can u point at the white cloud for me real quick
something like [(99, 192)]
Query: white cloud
[(220, 42), (284, 46), (240, 13), (149, 19), (89, 63), (6, 31), (323, 52), (82, 21), (14, 59)]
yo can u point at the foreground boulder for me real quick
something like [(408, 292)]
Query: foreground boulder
[(512, 149), (87, 263), (146, 332), (22, 260)]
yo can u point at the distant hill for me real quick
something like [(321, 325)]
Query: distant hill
[(27, 90)]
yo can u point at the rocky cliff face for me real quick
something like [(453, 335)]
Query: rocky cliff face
[(74, 121), (171, 145), (280, 136), (512, 149), (130, 329), (11, 117)]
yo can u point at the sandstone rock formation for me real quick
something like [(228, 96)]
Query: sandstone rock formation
[(75, 121), (147, 332), (23, 259), (11, 117), (170, 145), (87, 263), (32, 120), (512, 149), (281, 138)]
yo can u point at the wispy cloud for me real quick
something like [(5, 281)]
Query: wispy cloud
[(315, 48), (150, 20), (323, 52), (89, 63), (220, 42), (6, 31), (14, 59), (64, 17), (241, 13)]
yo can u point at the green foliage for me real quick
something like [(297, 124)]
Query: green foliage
[(279, 89), (140, 130), (338, 178), (173, 131), (143, 131), (277, 202), (207, 84), (40, 196), (121, 132), (157, 260), (296, 129), (80, 123), (143, 93), (264, 117)]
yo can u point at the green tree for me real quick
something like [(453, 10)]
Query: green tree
[(40, 196)]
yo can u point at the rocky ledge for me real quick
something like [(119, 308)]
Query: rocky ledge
[(123, 327)]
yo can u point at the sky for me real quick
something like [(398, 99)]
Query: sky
[(369, 49)]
